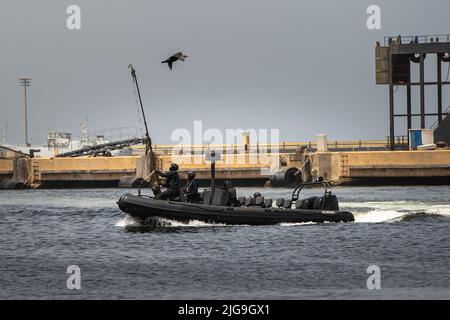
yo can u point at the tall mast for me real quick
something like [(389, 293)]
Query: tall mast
[(148, 140)]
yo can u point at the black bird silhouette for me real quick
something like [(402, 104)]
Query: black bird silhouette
[(175, 57)]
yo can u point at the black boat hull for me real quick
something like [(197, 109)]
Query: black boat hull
[(145, 208)]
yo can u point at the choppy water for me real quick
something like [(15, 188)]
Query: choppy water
[(403, 230)]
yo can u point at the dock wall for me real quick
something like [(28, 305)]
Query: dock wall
[(383, 167), (105, 171), (6, 169)]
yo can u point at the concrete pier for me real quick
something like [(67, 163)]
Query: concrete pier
[(6, 169), (362, 167), (383, 167), (108, 171)]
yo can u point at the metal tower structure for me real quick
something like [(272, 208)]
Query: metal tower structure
[(393, 68), (25, 82)]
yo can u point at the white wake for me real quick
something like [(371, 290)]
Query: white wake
[(130, 222), (391, 211)]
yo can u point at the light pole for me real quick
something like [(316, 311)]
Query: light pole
[(5, 132), (25, 82)]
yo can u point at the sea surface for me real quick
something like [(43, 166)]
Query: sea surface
[(404, 231)]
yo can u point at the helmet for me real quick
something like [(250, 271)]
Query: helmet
[(227, 184), (191, 174), (256, 195), (173, 167)]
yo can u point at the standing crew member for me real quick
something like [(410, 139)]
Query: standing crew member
[(172, 183), (191, 188)]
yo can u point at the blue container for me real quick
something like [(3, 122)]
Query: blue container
[(415, 137)]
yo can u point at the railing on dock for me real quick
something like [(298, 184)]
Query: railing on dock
[(400, 142), (284, 147), (417, 39)]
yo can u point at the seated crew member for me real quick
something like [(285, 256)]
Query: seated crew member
[(172, 183), (227, 186), (191, 188), (256, 195)]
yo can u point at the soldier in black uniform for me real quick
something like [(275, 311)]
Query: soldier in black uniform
[(191, 188), (231, 192), (172, 183)]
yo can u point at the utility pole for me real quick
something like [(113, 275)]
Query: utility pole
[(25, 82)]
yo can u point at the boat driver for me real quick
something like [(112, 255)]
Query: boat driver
[(191, 188), (172, 183)]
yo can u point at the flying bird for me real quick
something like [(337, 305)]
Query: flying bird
[(177, 56)]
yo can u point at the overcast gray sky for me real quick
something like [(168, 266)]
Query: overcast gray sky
[(304, 67)]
